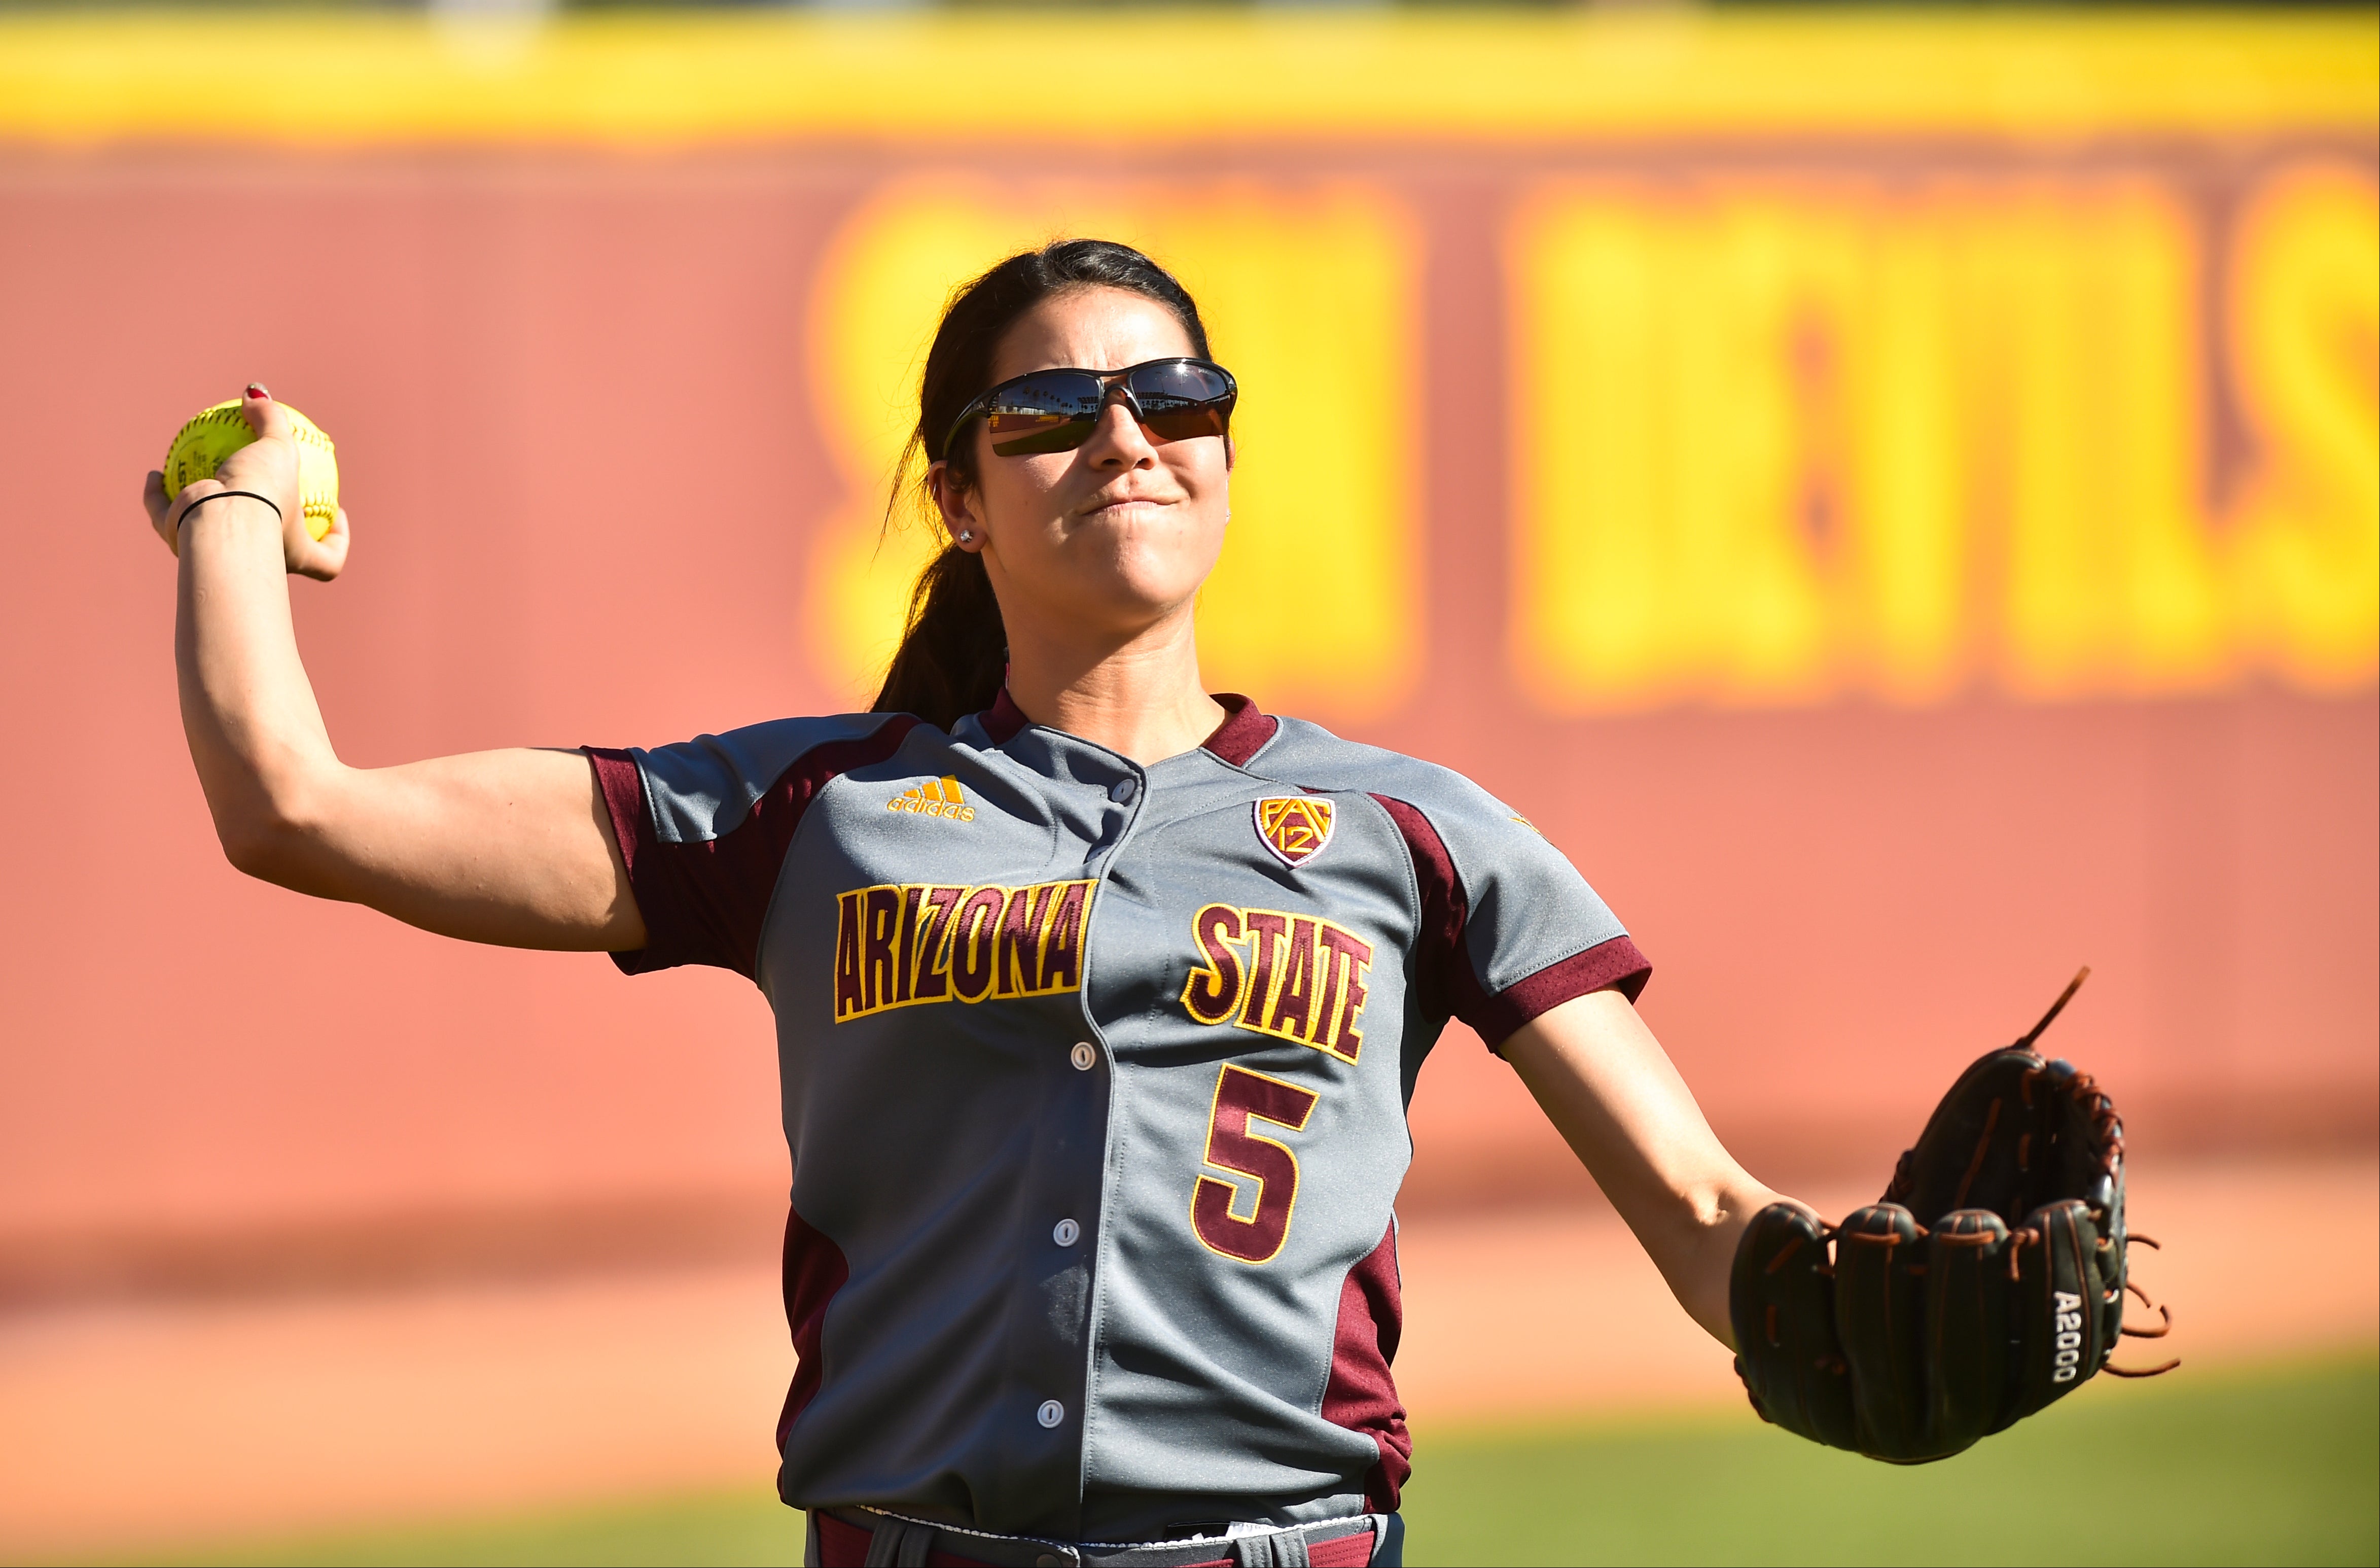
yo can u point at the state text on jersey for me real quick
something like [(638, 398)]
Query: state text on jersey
[(1298, 977)]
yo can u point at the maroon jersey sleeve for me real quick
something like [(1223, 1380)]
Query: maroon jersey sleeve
[(704, 826)]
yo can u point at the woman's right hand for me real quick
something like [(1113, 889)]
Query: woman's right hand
[(514, 847), (266, 467)]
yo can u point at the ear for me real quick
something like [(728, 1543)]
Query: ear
[(959, 507)]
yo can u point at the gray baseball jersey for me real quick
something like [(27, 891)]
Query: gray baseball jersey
[(1095, 1078)]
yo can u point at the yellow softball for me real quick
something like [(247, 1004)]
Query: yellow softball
[(202, 445)]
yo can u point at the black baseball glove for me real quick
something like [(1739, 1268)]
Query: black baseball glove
[(1988, 1282)]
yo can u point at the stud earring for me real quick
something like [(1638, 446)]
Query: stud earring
[(967, 535)]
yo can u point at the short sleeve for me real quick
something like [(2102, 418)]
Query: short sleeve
[(1509, 929), (703, 827)]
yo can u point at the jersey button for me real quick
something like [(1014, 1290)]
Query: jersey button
[(1083, 1056), (1051, 1413), (1066, 1233), (1122, 790)]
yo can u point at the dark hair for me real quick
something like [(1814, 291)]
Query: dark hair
[(953, 655)]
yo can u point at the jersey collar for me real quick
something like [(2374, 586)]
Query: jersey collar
[(1243, 733)]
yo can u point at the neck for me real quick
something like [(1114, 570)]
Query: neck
[(1138, 694)]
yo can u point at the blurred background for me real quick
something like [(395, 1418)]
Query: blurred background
[(1894, 493)]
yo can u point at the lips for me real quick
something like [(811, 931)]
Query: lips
[(1116, 508)]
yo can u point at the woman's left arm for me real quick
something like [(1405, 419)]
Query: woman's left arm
[(1609, 1086)]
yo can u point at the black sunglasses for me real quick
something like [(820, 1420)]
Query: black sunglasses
[(1056, 410)]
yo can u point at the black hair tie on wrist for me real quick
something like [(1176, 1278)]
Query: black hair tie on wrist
[(218, 495)]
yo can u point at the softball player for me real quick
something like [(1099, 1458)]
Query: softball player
[(1098, 999)]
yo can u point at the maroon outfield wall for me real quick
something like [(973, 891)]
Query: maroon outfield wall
[(575, 402)]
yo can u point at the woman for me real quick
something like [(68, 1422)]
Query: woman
[(1099, 998)]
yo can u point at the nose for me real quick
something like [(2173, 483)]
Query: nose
[(1117, 441)]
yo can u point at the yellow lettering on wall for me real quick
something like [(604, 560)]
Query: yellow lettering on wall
[(1690, 379), (1308, 297), (1782, 441), (2080, 301), (2305, 323)]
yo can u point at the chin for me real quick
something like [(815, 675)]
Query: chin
[(1128, 597), (1138, 600), (1157, 562)]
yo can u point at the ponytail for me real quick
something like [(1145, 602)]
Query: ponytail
[(953, 656)]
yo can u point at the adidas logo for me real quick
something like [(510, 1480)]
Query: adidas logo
[(936, 797)]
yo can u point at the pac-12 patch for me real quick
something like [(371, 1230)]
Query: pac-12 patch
[(1295, 827)]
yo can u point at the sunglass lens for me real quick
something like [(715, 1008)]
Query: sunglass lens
[(1182, 399), (1051, 413)]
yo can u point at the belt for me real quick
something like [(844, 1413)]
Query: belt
[(854, 1537)]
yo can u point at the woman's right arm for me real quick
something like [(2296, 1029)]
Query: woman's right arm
[(512, 847)]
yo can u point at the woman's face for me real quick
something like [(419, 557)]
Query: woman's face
[(1117, 534)]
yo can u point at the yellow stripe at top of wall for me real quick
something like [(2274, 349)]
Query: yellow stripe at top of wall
[(1031, 80)]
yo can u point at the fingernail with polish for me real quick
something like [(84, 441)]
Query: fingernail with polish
[(256, 389)]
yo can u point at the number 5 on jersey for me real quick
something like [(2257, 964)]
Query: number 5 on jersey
[(1267, 1169)]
